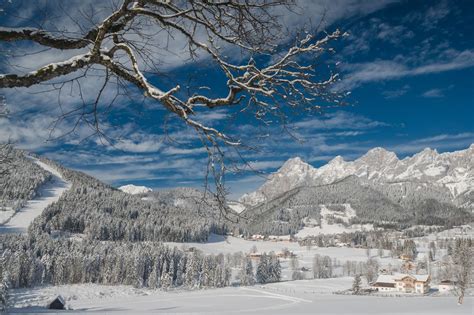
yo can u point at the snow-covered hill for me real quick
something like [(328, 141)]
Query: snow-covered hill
[(47, 194), (448, 177), (135, 190)]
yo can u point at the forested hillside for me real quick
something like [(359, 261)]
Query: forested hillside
[(98, 234), (100, 212), (287, 213), (21, 179)]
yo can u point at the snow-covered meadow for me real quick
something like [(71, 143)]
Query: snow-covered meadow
[(293, 297), (229, 245)]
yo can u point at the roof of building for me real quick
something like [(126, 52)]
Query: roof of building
[(385, 279), (422, 278), (384, 284), (400, 276), (59, 298)]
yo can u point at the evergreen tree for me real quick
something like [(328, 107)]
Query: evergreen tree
[(262, 275), (246, 275), (4, 286), (356, 284), (274, 267)]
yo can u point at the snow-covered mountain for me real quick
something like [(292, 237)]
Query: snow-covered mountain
[(135, 190), (448, 177)]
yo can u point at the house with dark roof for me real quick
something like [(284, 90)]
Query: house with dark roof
[(57, 303), (384, 283)]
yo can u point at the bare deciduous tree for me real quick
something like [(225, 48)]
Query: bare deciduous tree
[(463, 267), (125, 47)]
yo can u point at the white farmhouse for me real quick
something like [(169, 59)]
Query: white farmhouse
[(384, 283), (446, 286), (412, 283), (403, 282)]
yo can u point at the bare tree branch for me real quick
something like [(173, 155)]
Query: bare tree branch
[(125, 45)]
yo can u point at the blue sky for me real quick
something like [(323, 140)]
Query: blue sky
[(408, 64)]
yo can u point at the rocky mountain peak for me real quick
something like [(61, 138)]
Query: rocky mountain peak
[(295, 164), (453, 172)]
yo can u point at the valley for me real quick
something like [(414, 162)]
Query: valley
[(104, 249)]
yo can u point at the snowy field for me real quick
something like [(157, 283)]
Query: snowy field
[(47, 194), (228, 245), (295, 297), (336, 228)]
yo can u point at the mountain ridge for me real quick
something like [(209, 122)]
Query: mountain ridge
[(449, 172)]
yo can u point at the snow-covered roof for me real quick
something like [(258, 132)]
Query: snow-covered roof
[(400, 276), (385, 279), (422, 278), (59, 298)]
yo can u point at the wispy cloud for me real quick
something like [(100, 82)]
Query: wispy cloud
[(391, 94), (433, 93), (340, 120), (382, 70), (440, 142)]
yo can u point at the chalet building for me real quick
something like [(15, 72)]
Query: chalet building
[(255, 255), (384, 283), (446, 286), (257, 237), (412, 283), (403, 283), (406, 257)]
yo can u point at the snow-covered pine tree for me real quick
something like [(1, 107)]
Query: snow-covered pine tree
[(262, 275), (356, 284), (274, 268), (246, 275), (4, 295)]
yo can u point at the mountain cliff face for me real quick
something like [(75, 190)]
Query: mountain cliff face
[(446, 177)]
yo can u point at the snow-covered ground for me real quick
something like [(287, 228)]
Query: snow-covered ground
[(47, 194), (295, 297), (228, 245), (134, 190), (336, 228), (6, 214)]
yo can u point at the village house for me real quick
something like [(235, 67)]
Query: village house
[(257, 237), (412, 283), (406, 283), (446, 286), (57, 303), (254, 255), (406, 257), (384, 283)]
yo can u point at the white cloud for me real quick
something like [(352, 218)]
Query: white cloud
[(440, 142), (381, 70), (433, 93), (339, 120)]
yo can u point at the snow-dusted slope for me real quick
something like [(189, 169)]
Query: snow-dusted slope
[(452, 173), (47, 194), (135, 190), (292, 174)]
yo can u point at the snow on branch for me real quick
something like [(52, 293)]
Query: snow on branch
[(128, 45)]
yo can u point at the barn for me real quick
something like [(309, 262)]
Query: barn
[(57, 303)]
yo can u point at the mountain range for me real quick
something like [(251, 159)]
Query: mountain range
[(446, 177), (376, 190)]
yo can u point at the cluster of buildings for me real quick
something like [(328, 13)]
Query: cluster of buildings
[(408, 283)]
